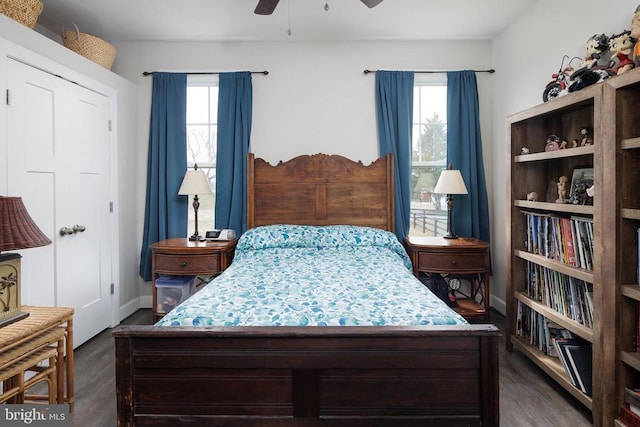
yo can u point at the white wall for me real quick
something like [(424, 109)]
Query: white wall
[(316, 97), (72, 66), (525, 55)]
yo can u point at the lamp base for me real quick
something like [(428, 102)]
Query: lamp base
[(13, 318), (196, 238), (451, 235)]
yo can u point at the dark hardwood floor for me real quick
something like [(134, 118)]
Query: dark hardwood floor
[(528, 397)]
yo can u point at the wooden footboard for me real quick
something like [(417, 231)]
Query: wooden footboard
[(307, 376)]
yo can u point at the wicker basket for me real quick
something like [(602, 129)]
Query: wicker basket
[(25, 12), (91, 47)]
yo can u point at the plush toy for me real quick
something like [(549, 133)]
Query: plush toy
[(635, 33), (593, 66), (621, 46)]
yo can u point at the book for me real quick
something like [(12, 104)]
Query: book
[(561, 346), (553, 332), (629, 418), (632, 398), (581, 361), (569, 242)]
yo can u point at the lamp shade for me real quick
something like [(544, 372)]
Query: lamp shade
[(17, 229), (450, 182), (195, 182)]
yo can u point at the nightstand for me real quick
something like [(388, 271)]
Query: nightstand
[(181, 257), (464, 258)]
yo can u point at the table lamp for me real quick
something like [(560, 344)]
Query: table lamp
[(450, 183), (17, 231), (195, 182)]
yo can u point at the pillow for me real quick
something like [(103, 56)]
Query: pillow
[(310, 236), (319, 237)]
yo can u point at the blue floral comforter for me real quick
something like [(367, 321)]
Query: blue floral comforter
[(288, 275)]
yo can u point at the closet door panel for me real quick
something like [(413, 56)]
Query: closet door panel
[(59, 163), (31, 171)]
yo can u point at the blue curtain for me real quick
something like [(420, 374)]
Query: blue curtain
[(394, 109), (235, 97), (165, 212), (464, 152)]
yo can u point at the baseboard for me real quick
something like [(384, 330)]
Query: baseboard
[(498, 304), (129, 308)]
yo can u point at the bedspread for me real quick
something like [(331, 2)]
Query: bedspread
[(290, 275)]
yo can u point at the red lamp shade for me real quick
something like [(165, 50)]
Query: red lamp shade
[(17, 229)]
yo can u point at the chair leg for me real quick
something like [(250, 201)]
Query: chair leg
[(46, 374)]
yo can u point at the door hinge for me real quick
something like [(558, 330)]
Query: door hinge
[(110, 207), (113, 288), (8, 101), (110, 126)]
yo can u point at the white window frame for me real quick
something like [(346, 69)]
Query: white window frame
[(424, 222), (206, 213)]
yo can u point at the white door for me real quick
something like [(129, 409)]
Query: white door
[(59, 164)]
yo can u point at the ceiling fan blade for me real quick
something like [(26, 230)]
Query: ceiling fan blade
[(266, 7), (371, 3)]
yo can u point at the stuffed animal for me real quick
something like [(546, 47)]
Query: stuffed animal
[(621, 46), (635, 33)]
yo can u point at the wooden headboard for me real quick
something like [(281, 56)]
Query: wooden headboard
[(320, 189)]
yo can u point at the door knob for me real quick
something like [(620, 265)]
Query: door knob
[(66, 230), (79, 228)]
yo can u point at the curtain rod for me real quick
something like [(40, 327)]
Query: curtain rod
[(490, 71), (148, 73)]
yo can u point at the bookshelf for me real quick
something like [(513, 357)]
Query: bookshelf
[(622, 97), (536, 294)]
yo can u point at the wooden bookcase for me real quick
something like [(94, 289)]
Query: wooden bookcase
[(622, 102), (612, 110)]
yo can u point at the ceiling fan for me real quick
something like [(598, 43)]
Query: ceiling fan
[(266, 7)]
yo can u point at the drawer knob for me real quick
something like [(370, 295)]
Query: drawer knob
[(183, 264), (454, 262)]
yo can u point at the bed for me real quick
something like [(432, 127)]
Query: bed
[(407, 361)]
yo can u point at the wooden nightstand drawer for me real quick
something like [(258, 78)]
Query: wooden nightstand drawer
[(188, 264), (458, 263)]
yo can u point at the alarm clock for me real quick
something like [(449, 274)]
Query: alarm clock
[(225, 234)]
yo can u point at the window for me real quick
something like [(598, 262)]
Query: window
[(202, 127), (429, 155)]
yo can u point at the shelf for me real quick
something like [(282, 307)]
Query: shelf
[(631, 358), (557, 154), (575, 327), (630, 143), (574, 101), (618, 423), (555, 207), (553, 367), (631, 213), (631, 291), (569, 270)]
